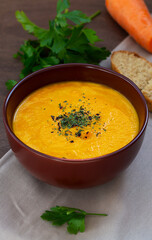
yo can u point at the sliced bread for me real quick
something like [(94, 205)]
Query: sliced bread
[(137, 69)]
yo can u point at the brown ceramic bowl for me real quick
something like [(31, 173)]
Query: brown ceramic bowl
[(67, 172)]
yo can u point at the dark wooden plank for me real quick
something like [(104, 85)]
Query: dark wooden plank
[(12, 36)]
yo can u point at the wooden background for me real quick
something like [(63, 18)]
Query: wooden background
[(40, 11)]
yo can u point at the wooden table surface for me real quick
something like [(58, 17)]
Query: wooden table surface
[(12, 36)]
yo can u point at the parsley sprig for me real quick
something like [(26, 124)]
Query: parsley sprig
[(61, 43), (75, 218)]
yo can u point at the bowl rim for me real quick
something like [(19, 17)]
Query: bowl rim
[(68, 160)]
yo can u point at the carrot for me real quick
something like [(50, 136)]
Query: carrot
[(134, 17)]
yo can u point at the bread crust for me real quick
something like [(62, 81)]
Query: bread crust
[(148, 100), (114, 67)]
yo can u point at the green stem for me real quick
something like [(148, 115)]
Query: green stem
[(97, 214), (91, 17), (95, 14)]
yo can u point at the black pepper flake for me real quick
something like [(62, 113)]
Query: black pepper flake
[(96, 117), (53, 117), (85, 137), (71, 141), (60, 106), (59, 126), (78, 134), (52, 132), (59, 117), (81, 108)]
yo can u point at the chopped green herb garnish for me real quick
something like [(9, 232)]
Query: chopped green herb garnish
[(75, 118), (60, 106), (98, 134), (78, 118)]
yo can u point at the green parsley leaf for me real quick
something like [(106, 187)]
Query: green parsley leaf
[(74, 217), (10, 84), (36, 68), (62, 5), (77, 17), (76, 225), (91, 35), (77, 40), (49, 61), (59, 43), (46, 38), (61, 21), (28, 25)]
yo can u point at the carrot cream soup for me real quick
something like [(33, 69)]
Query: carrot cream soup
[(76, 120)]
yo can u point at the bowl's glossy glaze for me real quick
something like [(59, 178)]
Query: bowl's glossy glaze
[(67, 172)]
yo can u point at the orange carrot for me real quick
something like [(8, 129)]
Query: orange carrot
[(134, 17)]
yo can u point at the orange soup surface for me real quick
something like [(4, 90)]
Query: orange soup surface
[(76, 120)]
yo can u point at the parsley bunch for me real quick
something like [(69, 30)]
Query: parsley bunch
[(61, 43), (75, 218)]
